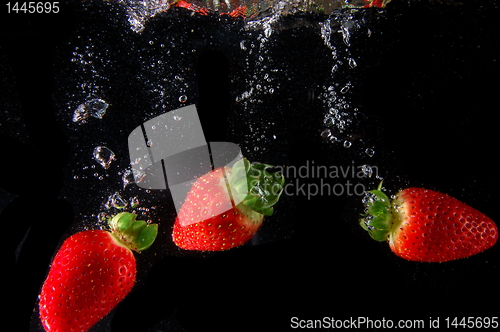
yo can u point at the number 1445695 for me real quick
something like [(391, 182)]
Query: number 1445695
[(472, 322), (33, 7)]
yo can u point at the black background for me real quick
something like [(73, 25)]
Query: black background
[(431, 87)]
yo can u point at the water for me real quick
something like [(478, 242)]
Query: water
[(244, 73), (139, 12), (287, 85)]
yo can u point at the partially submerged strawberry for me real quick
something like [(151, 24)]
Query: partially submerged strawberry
[(428, 226), (190, 6), (239, 11), (226, 207), (91, 273), (375, 3)]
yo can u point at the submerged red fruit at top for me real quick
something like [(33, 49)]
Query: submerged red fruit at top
[(376, 3), (428, 226), (91, 273)]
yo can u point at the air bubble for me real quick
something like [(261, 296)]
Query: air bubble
[(103, 217), (326, 133), (370, 152), (95, 107), (367, 170), (134, 202), (183, 98), (116, 201), (347, 144), (127, 177), (268, 31), (346, 88), (104, 156), (80, 114)]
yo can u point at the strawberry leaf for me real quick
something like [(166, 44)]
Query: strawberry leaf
[(146, 237), (135, 234), (256, 186), (378, 218), (122, 221)]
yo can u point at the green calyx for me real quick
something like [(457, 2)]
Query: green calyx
[(256, 185), (378, 219), (137, 235)]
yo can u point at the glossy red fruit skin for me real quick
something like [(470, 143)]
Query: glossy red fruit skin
[(222, 232), (90, 274), (197, 227), (435, 227)]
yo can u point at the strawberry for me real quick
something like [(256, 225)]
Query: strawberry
[(190, 6), (239, 11), (225, 207), (91, 273), (427, 226), (376, 3)]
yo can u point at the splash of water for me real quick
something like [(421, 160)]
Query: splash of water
[(140, 11)]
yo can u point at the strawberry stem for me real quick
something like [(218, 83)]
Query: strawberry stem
[(256, 186), (137, 235), (377, 220)]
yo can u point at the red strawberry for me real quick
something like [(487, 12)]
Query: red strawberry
[(428, 226), (91, 273), (376, 3), (239, 11), (226, 207), (190, 6)]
